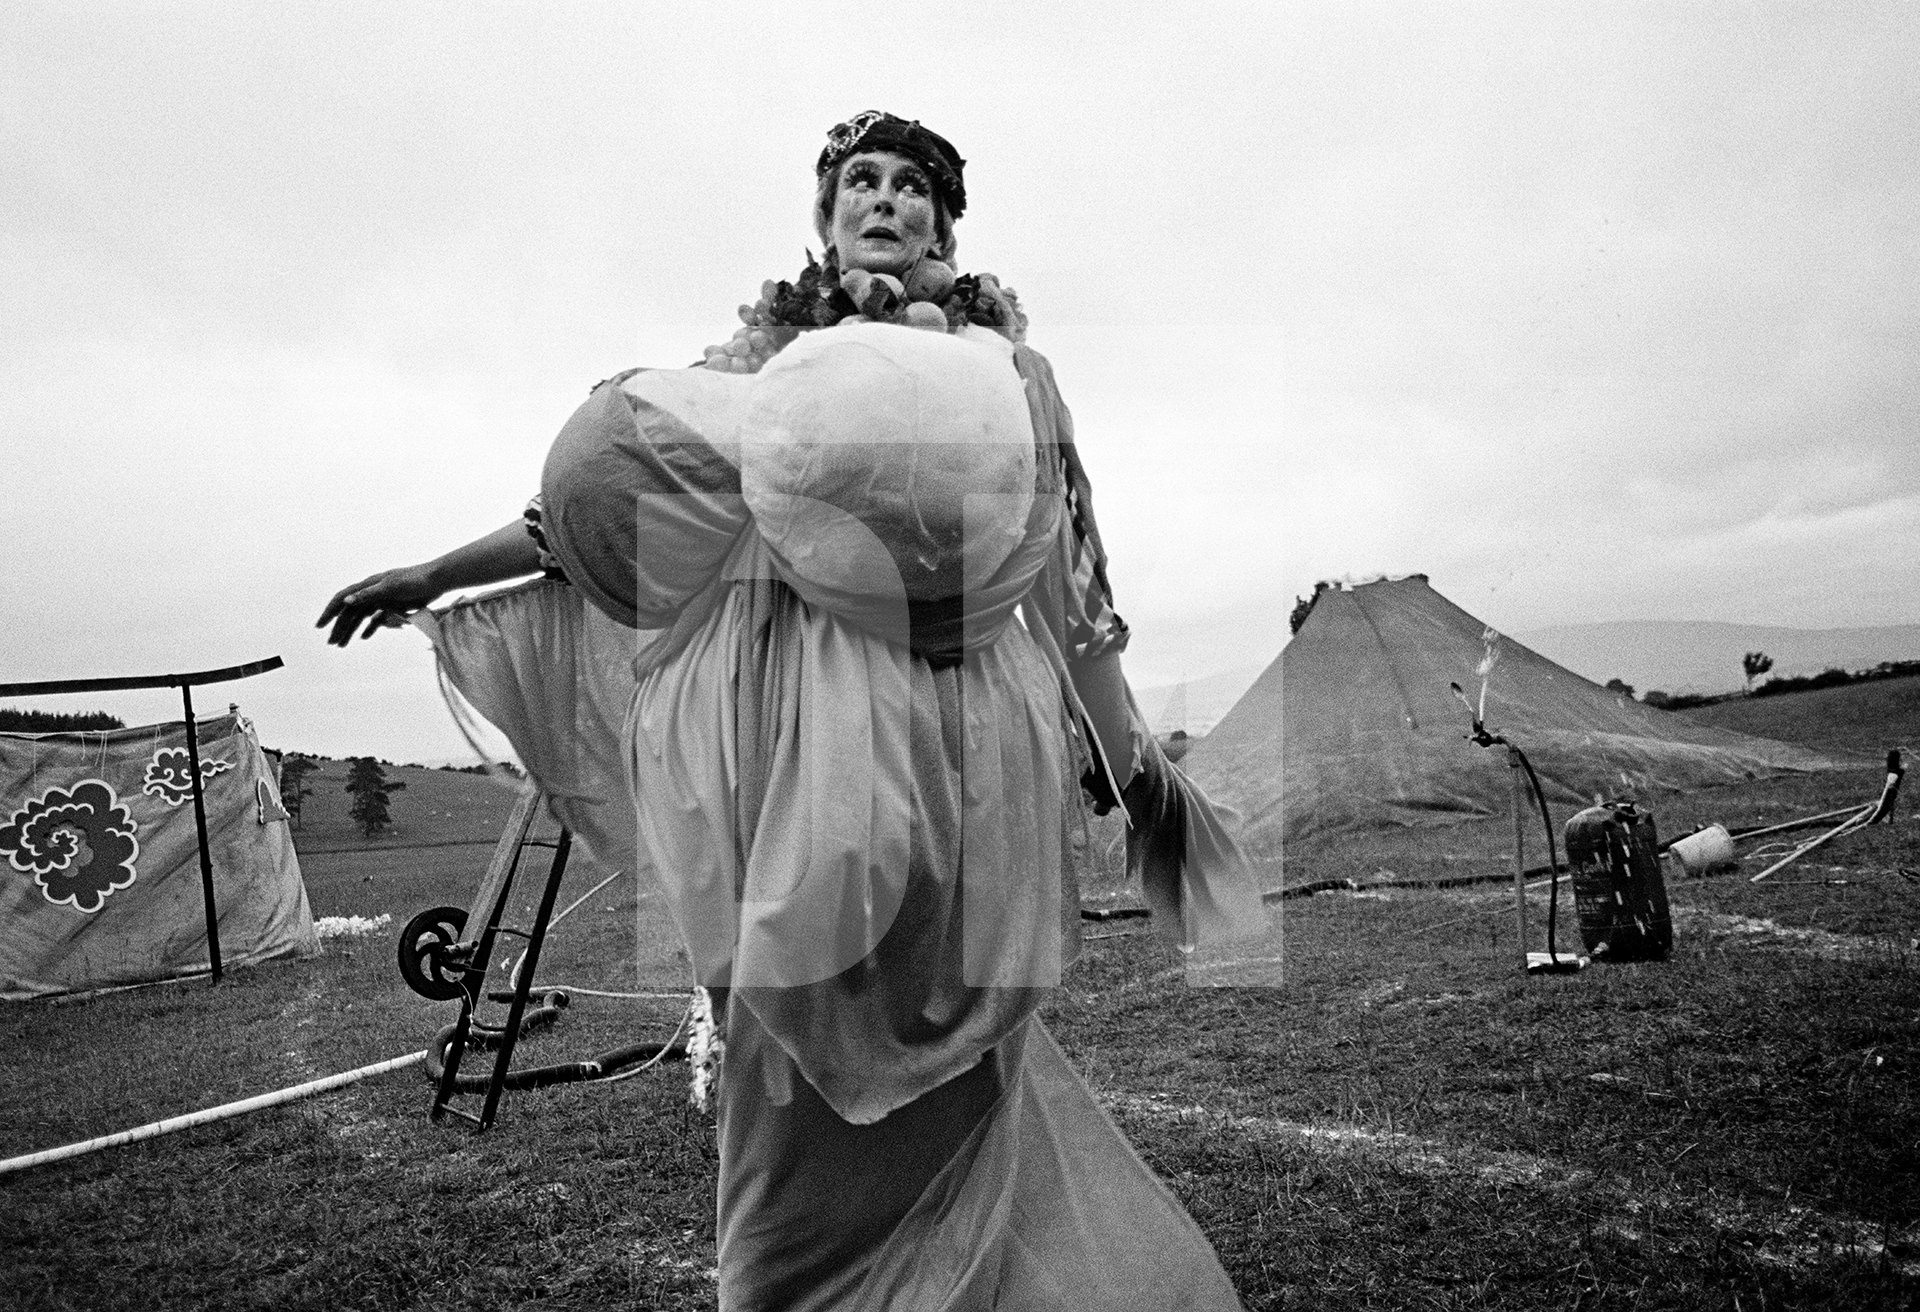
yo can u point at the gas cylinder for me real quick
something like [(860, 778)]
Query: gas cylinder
[(1617, 885)]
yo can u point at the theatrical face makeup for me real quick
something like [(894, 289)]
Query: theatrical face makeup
[(883, 213)]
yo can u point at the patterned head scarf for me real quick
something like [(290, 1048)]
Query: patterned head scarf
[(875, 130)]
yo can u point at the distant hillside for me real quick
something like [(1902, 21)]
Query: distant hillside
[(437, 806), (1207, 700), (1864, 717), (1697, 656)]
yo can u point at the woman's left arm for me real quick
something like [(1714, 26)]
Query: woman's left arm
[(506, 553)]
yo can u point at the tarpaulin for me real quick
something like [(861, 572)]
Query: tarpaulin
[(100, 861), (1355, 726)]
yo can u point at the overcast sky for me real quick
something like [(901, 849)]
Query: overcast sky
[(1587, 311)]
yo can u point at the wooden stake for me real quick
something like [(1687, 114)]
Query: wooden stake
[(1805, 822), (1519, 850), (200, 828)]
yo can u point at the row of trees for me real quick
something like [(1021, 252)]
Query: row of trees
[(15, 720), (367, 782), (1757, 663)]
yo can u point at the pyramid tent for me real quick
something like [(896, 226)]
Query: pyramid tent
[(1354, 726), (100, 879)]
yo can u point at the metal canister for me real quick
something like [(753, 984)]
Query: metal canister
[(1618, 888)]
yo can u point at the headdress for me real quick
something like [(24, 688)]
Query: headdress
[(874, 130)]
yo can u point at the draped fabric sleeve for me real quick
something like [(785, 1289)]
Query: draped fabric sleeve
[(534, 516), (553, 675), (638, 502), (638, 511), (1180, 844)]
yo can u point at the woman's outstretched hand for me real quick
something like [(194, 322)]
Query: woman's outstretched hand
[(380, 600), (387, 598)]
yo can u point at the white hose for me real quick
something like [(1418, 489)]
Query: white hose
[(210, 1114)]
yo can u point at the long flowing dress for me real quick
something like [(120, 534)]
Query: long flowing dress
[(863, 834)]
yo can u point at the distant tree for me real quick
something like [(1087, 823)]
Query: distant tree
[(1620, 686), (1755, 663), (1657, 699), (370, 788), (294, 787)]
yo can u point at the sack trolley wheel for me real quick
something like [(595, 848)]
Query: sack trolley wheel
[(423, 944)]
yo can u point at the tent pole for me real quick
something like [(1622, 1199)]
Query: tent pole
[(1519, 851), (200, 826)]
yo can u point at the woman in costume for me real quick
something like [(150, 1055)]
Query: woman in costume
[(845, 589)]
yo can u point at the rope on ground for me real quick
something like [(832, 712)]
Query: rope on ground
[(666, 1050), (571, 906), (513, 974), (206, 1116)]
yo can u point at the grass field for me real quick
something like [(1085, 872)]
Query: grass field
[(1407, 1123)]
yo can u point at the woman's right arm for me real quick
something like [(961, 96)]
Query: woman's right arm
[(508, 552)]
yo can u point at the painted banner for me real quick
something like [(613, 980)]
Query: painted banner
[(100, 860)]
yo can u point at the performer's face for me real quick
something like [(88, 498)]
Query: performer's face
[(883, 213)]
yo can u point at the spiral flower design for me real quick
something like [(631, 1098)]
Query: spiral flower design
[(78, 844)]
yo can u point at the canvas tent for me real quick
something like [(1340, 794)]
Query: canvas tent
[(99, 859), (1354, 727)]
